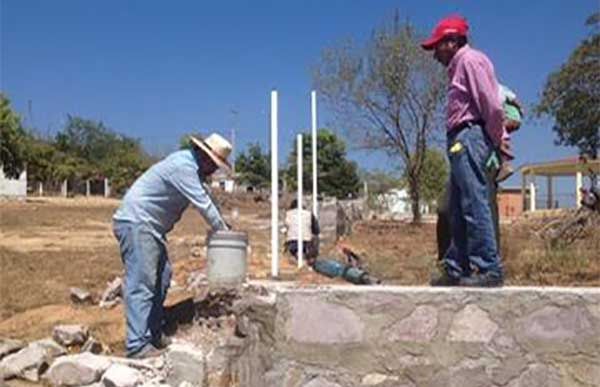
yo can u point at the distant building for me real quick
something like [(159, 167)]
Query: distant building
[(223, 181), (571, 167), (510, 202), (397, 203), (13, 188)]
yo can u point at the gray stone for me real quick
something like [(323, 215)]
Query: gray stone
[(472, 324), (68, 335), (321, 382), (555, 324), (187, 365), (113, 293), (538, 375), (8, 346), (419, 326), (77, 370), (118, 375), (588, 373), (81, 296), (92, 345), (30, 362), (376, 379), (316, 321)]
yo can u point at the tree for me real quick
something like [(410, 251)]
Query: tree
[(337, 176), (571, 96), (88, 148), (380, 182), (434, 175), (389, 94), (13, 140), (254, 168)]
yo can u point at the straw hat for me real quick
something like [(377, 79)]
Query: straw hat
[(216, 147)]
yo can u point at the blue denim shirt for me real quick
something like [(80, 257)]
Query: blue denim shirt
[(158, 198)]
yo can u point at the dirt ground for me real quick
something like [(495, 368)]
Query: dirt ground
[(49, 245)]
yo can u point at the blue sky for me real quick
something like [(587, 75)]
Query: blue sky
[(157, 69)]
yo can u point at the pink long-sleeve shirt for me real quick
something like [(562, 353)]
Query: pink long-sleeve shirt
[(473, 93)]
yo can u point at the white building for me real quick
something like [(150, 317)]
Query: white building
[(13, 188), (397, 202)]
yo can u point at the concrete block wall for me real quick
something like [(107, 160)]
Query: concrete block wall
[(345, 336)]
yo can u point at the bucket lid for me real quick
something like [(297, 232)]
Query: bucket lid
[(229, 235)]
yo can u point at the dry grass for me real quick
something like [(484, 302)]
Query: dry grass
[(50, 245)]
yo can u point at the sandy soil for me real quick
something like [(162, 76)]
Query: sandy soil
[(50, 245)]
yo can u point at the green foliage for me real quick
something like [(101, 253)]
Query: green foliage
[(337, 175), (13, 140), (572, 97), (389, 94), (434, 175), (380, 182), (254, 168)]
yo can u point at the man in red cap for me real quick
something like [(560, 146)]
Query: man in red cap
[(475, 128)]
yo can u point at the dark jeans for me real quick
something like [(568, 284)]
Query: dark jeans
[(443, 227), (473, 242)]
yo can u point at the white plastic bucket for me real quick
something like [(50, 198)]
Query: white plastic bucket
[(227, 253)]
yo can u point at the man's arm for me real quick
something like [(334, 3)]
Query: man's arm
[(187, 181), (483, 88)]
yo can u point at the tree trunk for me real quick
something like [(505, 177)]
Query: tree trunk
[(415, 199)]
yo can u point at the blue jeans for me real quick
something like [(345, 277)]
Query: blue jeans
[(147, 280), (473, 243)]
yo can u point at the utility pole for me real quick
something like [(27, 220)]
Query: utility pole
[(234, 124)]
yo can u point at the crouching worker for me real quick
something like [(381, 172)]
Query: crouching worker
[(149, 210), (310, 233)]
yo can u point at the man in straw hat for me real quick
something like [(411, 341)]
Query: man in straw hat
[(149, 210)]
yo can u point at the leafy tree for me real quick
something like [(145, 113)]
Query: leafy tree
[(254, 168), (88, 148), (379, 182), (434, 175), (337, 175), (13, 140), (572, 96), (389, 94)]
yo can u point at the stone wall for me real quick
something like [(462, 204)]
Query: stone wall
[(412, 336)]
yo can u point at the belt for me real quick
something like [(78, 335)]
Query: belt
[(466, 124)]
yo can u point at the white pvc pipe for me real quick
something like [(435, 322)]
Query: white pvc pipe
[(578, 185), (313, 110), (300, 207), (274, 188), (531, 196)]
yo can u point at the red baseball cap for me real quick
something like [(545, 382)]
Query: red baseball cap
[(451, 25)]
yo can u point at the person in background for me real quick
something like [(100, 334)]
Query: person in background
[(310, 233), (148, 212), (475, 128)]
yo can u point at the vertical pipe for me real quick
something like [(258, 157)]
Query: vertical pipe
[(299, 162), (87, 188), (106, 187), (313, 109), (532, 196), (274, 188), (578, 185)]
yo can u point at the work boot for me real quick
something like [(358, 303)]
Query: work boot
[(483, 280), (444, 279), (163, 342), (147, 351)]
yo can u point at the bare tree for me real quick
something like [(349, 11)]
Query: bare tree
[(388, 95)]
